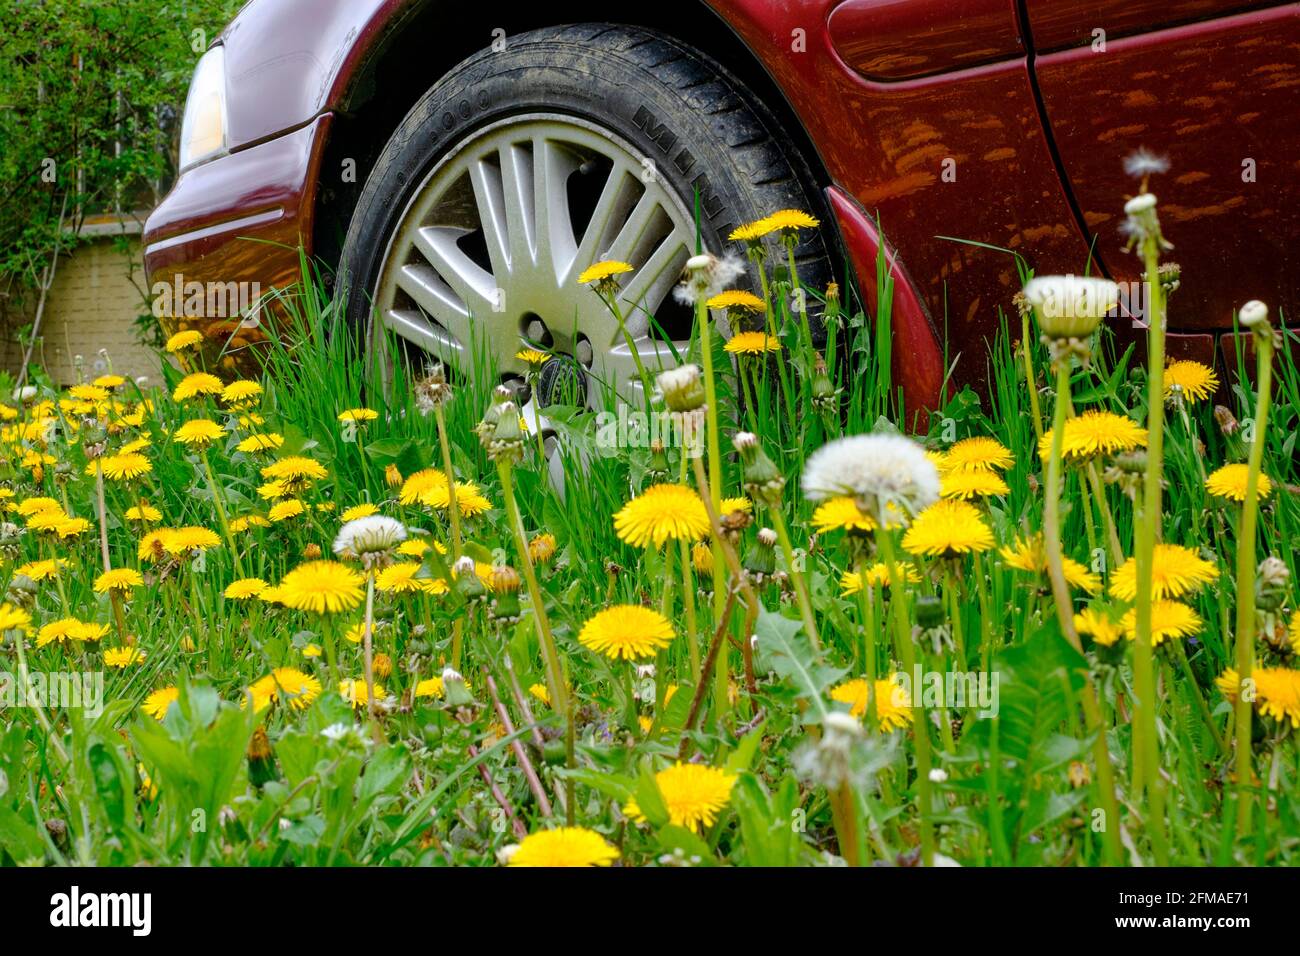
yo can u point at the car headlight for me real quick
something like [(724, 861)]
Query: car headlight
[(203, 131)]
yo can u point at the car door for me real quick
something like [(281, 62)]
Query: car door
[(1210, 84)]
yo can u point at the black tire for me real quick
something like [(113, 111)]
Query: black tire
[(696, 122)]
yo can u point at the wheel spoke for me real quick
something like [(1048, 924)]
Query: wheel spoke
[(418, 330), (517, 198), (604, 219), (556, 244), (476, 289), (632, 235), (653, 281), (485, 177)]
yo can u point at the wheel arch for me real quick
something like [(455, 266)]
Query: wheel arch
[(398, 69)]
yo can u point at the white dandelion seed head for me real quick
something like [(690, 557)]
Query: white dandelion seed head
[(1143, 163), (1253, 313), (706, 275), (938, 775), (369, 535), (464, 565), (1140, 204), (25, 394), (839, 722), (877, 471), (450, 676)]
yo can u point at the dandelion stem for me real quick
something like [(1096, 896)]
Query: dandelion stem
[(1246, 625), (369, 657), (453, 510)]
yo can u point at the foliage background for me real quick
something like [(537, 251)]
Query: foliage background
[(91, 97)]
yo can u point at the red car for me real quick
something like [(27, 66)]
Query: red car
[(463, 163)]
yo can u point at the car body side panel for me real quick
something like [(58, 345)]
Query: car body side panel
[(284, 68), (241, 218), (1062, 24), (904, 39), (1218, 99), (961, 154)]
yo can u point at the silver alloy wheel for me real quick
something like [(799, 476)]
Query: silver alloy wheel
[(489, 250)]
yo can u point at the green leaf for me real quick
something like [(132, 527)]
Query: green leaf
[(784, 646), (648, 798)]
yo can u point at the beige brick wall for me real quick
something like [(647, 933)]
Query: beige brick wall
[(92, 306)]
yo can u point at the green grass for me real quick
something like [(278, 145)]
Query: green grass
[(1015, 789)]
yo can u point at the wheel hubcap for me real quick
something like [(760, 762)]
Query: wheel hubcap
[(488, 253)]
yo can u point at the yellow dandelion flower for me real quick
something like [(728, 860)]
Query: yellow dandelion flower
[(184, 340), (14, 619), (662, 512), (541, 548), (358, 415), (245, 588), (1029, 555), (564, 847), (244, 522), (400, 578), (893, 705), (1277, 691), (533, 357), (981, 452), (91, 394), (1175, 571), (191, 538), (123, 466), (198, 383), (71, 527), (288, 684), (602, 271), (123, 657), (1099, 625), (790, 220), (295, 468), (157, 703), (752, 231), (1094, 434), (256, 444), (752, 343), (540, 692), (735, 506), (110, 381), (1169, 619), (41, 570), (241, 392), (143, 512), (119, 579), (59, 632), (693, 794), (284, 510), (948, 528), (198, 432), (363, 510), (30, 506), (355, 692), (967, 483), (626, 632), (323, 587), (1192, 381), (738, 299), (1230, 482), (876, 576)]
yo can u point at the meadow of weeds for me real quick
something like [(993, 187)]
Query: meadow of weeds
[(344, 614)]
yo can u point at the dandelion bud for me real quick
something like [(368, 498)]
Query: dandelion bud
[(507, 440), (657, 470), (702, 560), (393, 476), (311, 552), (1254, 317), (682, 388), (1070, 307), (1227, 422), (1079, 774), (541, 548), (465, 571), (261, 760), (381, 665), (823, 390), (832, 301), (763, 481), (432, 391), (760, 561), (505, 595), (1271, 584), (1142, 224), (454, 690)]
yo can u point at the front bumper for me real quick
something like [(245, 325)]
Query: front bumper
[(236, 227)]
